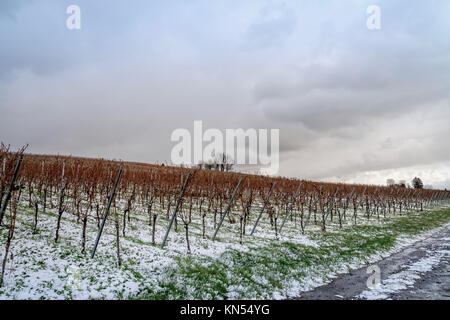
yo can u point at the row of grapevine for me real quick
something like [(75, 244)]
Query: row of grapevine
[(82, 187)]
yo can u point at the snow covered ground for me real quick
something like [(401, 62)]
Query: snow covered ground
[(39, 268)]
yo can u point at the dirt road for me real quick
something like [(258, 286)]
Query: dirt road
[(420, 271)]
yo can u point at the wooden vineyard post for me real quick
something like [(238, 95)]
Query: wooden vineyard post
[(264, 207), (313, 206), (176, 209), (110, 200), (227, 209), (288, 212), (11, 188), (330, 207)]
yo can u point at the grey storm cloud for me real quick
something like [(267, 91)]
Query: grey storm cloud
[(325, 97), (351, 104)]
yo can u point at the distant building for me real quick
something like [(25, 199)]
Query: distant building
[(390, 182)]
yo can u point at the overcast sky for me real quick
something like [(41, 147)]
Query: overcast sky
[(352, 104)]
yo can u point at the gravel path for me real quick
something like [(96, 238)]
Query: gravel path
[(420, 271)]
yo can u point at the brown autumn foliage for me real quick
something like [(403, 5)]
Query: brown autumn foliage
[(80, 187)]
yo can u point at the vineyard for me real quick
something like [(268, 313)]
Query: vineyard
[(95, 214)]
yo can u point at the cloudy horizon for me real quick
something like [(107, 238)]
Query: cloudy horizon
[(352, 104)]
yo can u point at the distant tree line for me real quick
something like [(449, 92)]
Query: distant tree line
[(416, 183), (219, 162)]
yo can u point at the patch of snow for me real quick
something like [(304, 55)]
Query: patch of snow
[(404, 279)]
